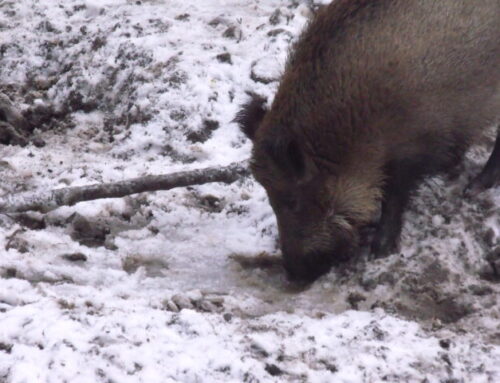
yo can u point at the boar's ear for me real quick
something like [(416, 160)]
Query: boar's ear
[(291, 158), (251, 115)]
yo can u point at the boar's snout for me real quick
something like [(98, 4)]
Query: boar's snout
[(308, 267), (308, 259)]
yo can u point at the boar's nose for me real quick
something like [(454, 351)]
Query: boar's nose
[(308, 267)]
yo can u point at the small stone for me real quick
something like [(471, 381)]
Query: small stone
[(10, 272), (194, 295), (38, 142), (19, 244), (329, 366), (354, 299), (232, 32), (49, 27), (275, 32), (5, 347), (33, 221), (182, 302), (437, 220), (215, 299), (110, 245), (215, 22), (211, 203), (88, 233), (154, 229), (275, 17), (98, 43), (445, 343), (227, 317), (273, 370), (259, 350), (224, 58), (170, 306), (245, 196), (131, 264), (75, 257), (203, 134), (207, 306), (182, 17)]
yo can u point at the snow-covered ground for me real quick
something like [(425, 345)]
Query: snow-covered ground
[(168, 286)]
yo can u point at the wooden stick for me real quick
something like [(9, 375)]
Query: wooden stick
[(50, 200)]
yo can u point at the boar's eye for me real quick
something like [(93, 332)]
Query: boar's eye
[(287, 155)]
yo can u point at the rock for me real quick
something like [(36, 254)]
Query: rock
[(273, 370), (224, 58), (5, 347), (10, 272), (445, 343), (354, 298), (202, 135), (232, 32), (98, 43), (33, 221), (170, 305), (276, 32), (183, 17), (207, 306), (86, 232), (17, 243), (75, 257), (275, 17), (182, 302), (38, 142)]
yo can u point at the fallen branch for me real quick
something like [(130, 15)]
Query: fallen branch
[(50, 200)]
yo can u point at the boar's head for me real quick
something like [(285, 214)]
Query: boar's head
[(318, 211)]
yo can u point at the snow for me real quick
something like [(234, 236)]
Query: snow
[(129, 88)]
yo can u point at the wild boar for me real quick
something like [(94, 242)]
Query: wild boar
[(375, 96)]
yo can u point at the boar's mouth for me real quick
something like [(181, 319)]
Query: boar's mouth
[(308, 268), (307, 260)]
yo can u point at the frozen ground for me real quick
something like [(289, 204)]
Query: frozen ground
[(168, 286)]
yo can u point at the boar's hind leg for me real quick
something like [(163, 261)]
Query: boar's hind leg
[(490, 175), (402, 178)]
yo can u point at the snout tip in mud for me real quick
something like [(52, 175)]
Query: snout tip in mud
[(308, 268)]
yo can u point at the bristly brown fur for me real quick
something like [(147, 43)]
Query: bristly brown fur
[(375, 96)]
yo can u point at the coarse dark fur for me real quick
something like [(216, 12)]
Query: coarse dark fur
[(375, 96)]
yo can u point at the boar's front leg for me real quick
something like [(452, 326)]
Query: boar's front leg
[(402, 178), (490, 175)]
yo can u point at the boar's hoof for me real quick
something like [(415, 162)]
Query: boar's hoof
[(384, 245), (479, 184)]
